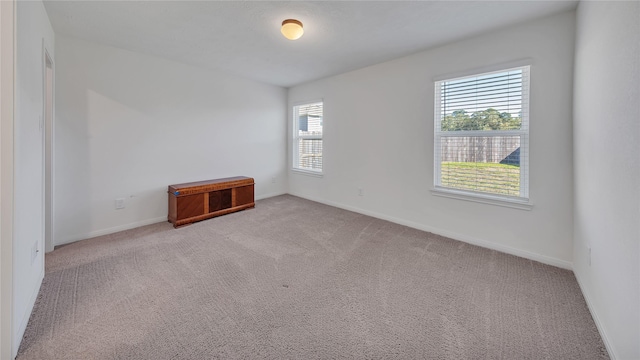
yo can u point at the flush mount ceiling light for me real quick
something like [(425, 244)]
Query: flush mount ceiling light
[(292, 29)]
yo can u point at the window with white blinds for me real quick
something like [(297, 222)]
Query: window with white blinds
[(307, 133), (482, 135)]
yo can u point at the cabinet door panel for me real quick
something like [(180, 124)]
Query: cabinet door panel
[(219, 200), (190, 206), (244, 195)]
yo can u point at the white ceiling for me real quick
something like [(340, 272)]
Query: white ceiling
[(243, 37)]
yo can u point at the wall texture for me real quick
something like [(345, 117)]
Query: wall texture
[(378, 136), (127, 125), (607, 169), (32, 29)]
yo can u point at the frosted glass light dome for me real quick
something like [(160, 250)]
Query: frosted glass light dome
[(292, 29)]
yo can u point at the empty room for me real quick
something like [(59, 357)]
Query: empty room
[(319, 180)]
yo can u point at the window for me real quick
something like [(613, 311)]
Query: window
[(482, 135), (307, 137)]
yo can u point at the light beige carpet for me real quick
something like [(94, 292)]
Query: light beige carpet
[(294, 279)]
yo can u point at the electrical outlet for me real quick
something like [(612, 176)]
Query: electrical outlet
[(119, 203), (360, 192), (273, 180), (589, 255)]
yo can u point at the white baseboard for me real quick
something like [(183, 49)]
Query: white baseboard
[(596, 319), (22, 327), (110, 230), (265, 196), (464, 238), (460, 237)]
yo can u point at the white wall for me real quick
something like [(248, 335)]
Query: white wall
[(32, 27), (128, 125), (607, 169), (378, 136)]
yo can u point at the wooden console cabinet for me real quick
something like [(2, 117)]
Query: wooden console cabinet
[(191, 202)]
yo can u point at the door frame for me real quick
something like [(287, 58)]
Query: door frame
[(48, 126), (7, 104)]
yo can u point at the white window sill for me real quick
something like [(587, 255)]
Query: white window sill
[(307, 173), (482, 198)]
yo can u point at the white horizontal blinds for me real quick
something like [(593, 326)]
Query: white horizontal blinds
[(481, 133), (308, 121), (487, 102)]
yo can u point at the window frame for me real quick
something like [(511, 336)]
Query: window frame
[(295, 139), (519, 202)]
